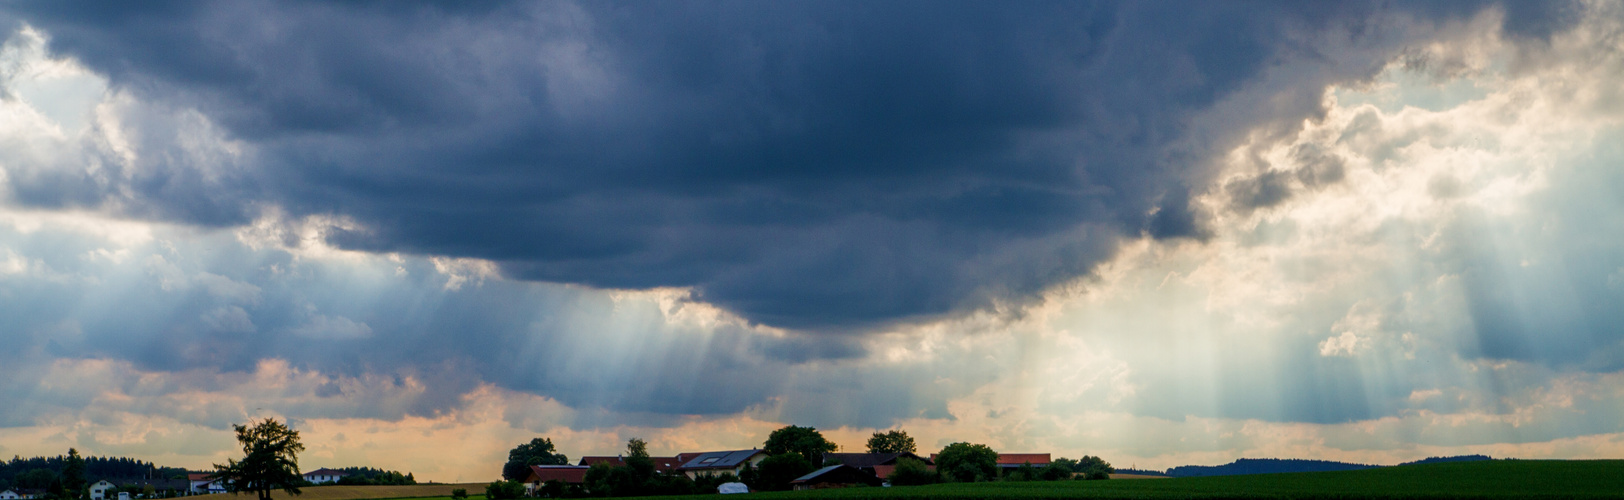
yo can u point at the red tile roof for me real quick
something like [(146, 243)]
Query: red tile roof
[(884, 471), (574, 474), (1038, 459), (197, 476)]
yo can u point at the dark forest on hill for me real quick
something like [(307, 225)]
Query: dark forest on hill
[(39, 472), (374, 477)]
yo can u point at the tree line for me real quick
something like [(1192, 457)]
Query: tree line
[(37, 473)]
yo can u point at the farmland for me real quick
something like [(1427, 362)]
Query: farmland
[(360, 492), (1488, 479)]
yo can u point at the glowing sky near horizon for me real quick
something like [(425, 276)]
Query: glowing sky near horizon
[(1362, 234)]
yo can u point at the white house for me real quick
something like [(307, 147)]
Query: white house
[(9, 495), (200, 483), (323, 476), (99, 490)]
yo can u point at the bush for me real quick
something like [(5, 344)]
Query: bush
[(910, 472), (504, 490), (777, 471), (1055, 472), (1026, 472), (708, 484), (967, 463), (459, 493)]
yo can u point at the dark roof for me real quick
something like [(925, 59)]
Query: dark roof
[(661, 464), (325, 472), (574, 474), (838, 474), (590, 461), (719, 459), (866, 460)]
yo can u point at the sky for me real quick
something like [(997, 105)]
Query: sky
[(1160, 233)]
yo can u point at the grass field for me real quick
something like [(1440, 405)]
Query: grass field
[(1490, 479), (364, 492)]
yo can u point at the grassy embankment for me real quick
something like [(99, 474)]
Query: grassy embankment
[(1492, 479), (476, 491)]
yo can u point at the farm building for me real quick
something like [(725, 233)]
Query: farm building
[(568, 474), (721, 462), (871, 462), (835, 476), (661, 464)]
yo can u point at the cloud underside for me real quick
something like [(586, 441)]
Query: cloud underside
[(1345, 232), (808, 165)]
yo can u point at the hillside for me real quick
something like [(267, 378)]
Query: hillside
[(1263, 466)]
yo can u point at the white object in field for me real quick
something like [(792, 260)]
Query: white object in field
[(728, 488)]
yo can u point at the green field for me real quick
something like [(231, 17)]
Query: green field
[(1489, 479)]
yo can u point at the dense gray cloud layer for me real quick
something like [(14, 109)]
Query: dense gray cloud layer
[(819, 165)]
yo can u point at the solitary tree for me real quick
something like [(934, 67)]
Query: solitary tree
[(71, 484), (965, 462), (804, 441), (270, 460), (538, 451), (895, 441)]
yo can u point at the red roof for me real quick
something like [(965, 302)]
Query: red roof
[(1023, 458), (1037, 459), (197, 476), (884, 471), (574, 474)]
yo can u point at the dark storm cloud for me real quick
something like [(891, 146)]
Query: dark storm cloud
[(809, 165)]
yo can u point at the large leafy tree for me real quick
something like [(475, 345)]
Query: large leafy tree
[(804, 441), (894, 441), (966, 462), (270, 460), (538, 451)]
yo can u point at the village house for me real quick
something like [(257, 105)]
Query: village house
[(99, 490), (201, 483), (721, 462), (567, 474), (324, 476), (834, 476), (661, 464), (10, 495), (878, 464), (1007, 461)]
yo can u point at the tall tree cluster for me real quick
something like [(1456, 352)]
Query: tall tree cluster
[(270, 460), (893, 441), (539, 451)]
